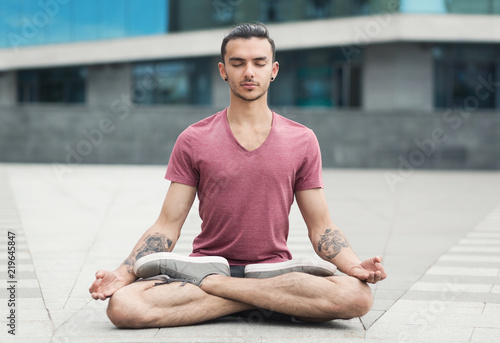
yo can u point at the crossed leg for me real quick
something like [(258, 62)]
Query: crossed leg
[(304, 296), (142, 305)]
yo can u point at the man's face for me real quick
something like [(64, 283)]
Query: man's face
[(249, 67)]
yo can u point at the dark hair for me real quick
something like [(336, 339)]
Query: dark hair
[(247, 31)]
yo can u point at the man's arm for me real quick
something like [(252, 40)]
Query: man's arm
[(161, 237), (329, 241), (165, 232)]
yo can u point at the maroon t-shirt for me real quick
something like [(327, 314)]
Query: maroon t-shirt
[(245, 196)]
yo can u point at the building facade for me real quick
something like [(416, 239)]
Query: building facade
[(373, 78)]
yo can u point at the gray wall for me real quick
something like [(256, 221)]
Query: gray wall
[(8, 91), (398, 76), (348, 139), (108, 82)]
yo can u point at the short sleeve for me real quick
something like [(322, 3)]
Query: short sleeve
[(180, 166), (309, 174)]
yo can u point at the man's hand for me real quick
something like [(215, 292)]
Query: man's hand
[(370, 270), (106, 284)]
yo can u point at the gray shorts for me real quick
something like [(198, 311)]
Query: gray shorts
[(250, 316), (237, 271)]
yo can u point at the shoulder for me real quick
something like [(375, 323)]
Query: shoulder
[(203, 127), (207, 123), (294, 129)]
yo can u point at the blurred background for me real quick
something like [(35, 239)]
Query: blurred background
[(383, 83)]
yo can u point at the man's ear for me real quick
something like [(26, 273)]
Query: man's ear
[(222, 71), (276, 68)]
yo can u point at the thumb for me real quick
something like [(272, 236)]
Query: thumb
[(100, 274), (359, 273)]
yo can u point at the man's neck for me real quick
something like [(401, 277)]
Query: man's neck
[(249, 113)]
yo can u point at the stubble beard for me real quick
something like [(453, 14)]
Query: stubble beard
[(250, 97)]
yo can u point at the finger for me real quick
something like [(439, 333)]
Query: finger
[(95, 286), (362, 275), (100, 274), (108, 293), (371, 279), (381, 268)]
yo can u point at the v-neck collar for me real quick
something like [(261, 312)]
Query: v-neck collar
[(232, 137)]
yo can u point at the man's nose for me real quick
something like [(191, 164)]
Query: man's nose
[(249, 72)]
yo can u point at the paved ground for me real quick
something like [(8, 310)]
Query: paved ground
[(439, 233)]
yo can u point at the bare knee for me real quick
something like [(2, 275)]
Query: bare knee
[(125, 309), (363, 299), (357, 298), (350, 298)]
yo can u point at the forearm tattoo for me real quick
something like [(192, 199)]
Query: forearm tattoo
[(151, 244), (331, 243)]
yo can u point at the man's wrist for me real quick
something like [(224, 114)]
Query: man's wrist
[(127, 273), (347, 268)]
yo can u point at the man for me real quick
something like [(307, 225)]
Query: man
[(246, 164)]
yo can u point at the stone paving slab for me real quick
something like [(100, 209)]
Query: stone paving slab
[(466, 311), (439, 247)]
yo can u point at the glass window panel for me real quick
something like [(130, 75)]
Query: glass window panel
[(497, 79), (343, 8), (440, 81), (466, 80), (271, 11), (318, 9), (224, 11), (188, 15), (33, 20), (112, 19), (144, 20), (85, 20), (320, 77), (174, 88), (27, 80), (281, 91), (423, 6), (9, 23), (59, 29), (47, 22), (172, 82), (355, 86), (185, 15), (364, 7), (459, 70), (75, 93), (61, 85), (468, 6), (495, 7), (314, 86), (475, 53)]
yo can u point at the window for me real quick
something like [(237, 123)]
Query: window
[(465, 73), (61, 85), (186, 15), (469, 7), (451, 6), (48, 22), (172, 82), (224, 11), (271, 11), (318, 8), (317, 78)]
